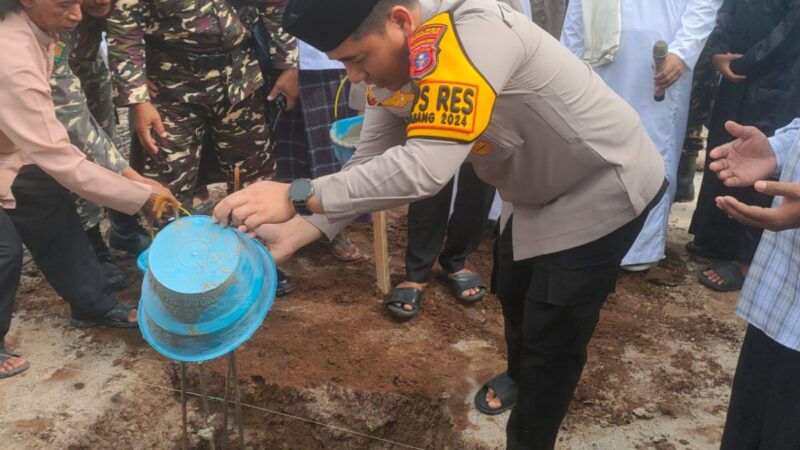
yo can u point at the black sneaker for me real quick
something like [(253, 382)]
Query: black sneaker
[(114, 275), (133, 244), (126, 234)]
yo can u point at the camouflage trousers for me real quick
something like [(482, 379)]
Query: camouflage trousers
[(704, 87), (238, 133)]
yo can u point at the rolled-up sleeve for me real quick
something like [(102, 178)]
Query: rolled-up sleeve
[(784, 141), (697, 23)]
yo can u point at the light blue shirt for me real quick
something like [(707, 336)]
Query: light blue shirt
[(770, 298)]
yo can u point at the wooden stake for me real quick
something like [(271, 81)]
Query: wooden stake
[(236, 183), (381, 247)]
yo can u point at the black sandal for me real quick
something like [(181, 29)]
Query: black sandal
[(117, 317), (504, 388), (5, 355), (405, 296), (732, 277), (463, 281)]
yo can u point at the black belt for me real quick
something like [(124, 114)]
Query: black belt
[(199, 61)]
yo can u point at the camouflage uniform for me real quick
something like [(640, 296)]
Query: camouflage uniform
[(154, 40), (704, 86), (81, 90)]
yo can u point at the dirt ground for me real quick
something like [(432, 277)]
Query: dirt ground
[(330, 369)]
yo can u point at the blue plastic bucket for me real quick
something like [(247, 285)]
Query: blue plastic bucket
[(206, 289), (339, 130)]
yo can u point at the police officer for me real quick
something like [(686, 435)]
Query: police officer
[(81, 90), (571, 160)]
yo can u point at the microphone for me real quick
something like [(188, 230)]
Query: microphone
[(660, 50)]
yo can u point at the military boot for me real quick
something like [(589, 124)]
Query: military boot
[(684, 191), (126, 234), (114, 275)]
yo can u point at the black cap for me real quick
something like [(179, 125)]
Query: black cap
[(325, 24)]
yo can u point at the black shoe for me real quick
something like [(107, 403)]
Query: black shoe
[(684, 191), (114, 275), (285, 285), (126, 234)]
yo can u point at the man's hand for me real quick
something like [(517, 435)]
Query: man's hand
[(265, 202), (284, 239), (784, 217), (746, 159), (670, 72), (152, 89), (156, 205), (288, 84), (146, 120), (722, 62)]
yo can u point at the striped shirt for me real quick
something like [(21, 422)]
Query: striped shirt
[(770, 298)]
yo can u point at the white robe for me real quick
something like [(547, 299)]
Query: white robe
[(684, 25)]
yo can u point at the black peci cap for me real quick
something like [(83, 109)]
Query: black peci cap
[(325, 24)]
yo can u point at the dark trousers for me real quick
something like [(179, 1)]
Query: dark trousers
[(717, 233), (431, 234), (764, 411), (45, 220), (551, 305)]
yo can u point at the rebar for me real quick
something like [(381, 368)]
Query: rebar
[(206, 410), (225, 401), (238, 397), (183, 407)]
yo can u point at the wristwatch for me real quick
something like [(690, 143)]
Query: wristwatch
[(300, 191)]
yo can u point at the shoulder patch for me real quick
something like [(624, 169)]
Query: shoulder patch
[(58, 51), (424, 47), (455, 101)]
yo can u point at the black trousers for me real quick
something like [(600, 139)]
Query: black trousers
[(46, 221), (764, 411), (551, 305), (432, 235)]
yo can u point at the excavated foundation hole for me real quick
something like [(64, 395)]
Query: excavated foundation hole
[(658, 375)]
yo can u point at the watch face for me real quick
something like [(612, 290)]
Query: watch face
[(300, 189)]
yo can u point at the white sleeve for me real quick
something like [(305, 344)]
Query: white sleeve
[(697, 23), (572, 33)]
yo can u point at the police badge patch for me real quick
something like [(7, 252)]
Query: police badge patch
[(455, 101), (424, 47)]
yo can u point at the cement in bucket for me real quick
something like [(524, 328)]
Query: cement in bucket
[(345, 134)]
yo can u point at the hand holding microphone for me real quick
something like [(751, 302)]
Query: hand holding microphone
[(668, 66)]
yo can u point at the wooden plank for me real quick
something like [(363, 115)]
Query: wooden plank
[(381, 248)]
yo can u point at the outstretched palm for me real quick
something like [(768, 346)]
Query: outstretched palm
[(746, 159)]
